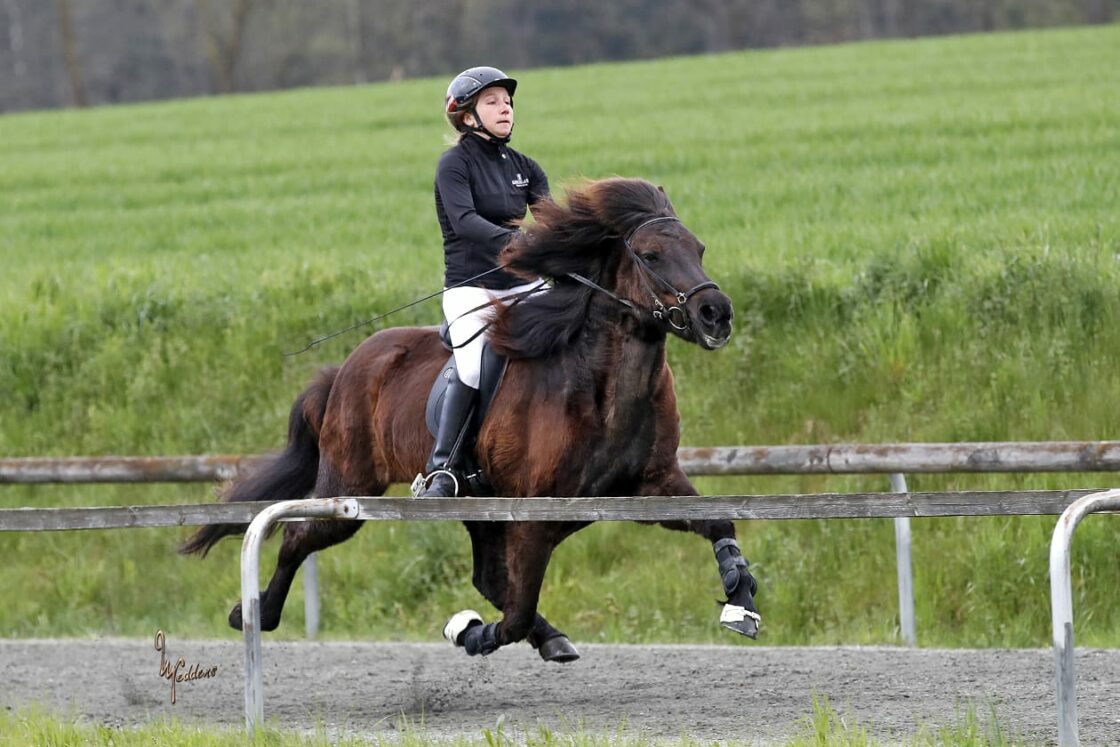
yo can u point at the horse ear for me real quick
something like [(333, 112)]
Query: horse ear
[(667, 200)]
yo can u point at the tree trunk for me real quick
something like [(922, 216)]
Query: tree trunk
[(224, 52), (70, 52), (355, 41), (15, 39)]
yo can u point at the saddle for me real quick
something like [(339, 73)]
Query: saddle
[(493, 371)]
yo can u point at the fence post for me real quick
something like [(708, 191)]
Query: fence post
[(905, 568), (326, 508), (1061, 607), (310, 570)]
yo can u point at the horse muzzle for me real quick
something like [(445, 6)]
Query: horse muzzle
[(710, 314)]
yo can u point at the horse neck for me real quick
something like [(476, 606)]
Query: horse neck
[(619, 410), (627, 367)]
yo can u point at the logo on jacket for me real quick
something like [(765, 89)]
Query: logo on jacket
[(520, 181)]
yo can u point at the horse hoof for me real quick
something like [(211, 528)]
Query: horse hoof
[(459, 623), (235, 617), (558, 649), (236, 620), (741, 620)]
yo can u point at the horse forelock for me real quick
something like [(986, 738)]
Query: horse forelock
[(624, 204)]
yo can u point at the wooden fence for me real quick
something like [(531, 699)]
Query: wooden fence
[(1035, 456), (620, 508), (893, 459)]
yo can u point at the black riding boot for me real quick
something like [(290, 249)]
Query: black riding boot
[(454, 423)]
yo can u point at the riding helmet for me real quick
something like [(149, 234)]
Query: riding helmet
[(472, 80)]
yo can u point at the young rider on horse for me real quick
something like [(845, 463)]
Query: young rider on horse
[(482, 187)]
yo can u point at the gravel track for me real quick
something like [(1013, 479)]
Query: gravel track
[(756, 694)]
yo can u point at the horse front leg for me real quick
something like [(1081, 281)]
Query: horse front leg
[(490, 577), (739, 611), (528, 548)]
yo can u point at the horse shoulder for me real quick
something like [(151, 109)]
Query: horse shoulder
[(529, 431)]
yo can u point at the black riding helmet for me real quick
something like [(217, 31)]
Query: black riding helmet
[(465, 87)]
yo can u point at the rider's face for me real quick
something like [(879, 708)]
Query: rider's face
[(495, 108)]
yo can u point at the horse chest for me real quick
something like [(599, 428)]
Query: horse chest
[(578, 428), (621, 428)]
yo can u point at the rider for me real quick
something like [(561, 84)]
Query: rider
[(482, 187)]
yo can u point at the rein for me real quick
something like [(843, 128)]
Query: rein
[(517, 298), (379, 317), (675, 316)]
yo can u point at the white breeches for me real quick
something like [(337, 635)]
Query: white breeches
[(457, 307)]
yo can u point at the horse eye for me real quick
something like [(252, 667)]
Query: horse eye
[(651, 257)]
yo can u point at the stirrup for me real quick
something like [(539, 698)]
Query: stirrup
[(421, 484)]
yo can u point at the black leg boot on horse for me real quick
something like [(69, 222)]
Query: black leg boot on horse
[(445, 467)]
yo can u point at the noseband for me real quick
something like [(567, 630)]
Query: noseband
[(675, 316)]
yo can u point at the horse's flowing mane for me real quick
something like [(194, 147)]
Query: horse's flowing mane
[(583, 235)]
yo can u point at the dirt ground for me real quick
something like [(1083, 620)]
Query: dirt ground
[(755, 694)]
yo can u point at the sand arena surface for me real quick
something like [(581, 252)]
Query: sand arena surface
[(756, 694)]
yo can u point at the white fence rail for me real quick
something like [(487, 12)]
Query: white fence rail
[(1061, 607), (1073, 504), (679, 507)]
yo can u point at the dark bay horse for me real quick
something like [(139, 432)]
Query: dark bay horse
[(586, 408)]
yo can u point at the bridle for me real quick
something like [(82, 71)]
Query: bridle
[(660, 311), (675, 315)]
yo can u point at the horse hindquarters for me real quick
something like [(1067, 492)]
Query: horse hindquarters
[(372, 432)]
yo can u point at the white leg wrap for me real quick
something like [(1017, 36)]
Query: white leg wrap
[(733, 613), (459, 622)]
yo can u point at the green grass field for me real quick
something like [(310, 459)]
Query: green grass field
[(921, 239), (826, 728)]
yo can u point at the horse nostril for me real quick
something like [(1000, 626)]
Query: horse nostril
[(708, 314)]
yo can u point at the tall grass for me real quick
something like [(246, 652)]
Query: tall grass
[(920, 239)]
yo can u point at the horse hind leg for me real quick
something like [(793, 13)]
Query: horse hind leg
[(466, 630), (518, 570), (300, 540), (518, 600)]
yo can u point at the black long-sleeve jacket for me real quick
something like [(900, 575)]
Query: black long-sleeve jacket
[(481, 188)]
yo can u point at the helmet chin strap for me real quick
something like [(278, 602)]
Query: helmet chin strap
[(482, 130)]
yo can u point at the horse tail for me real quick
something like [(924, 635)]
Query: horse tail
[(285, 476)]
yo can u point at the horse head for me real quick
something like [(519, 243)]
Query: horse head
[(622, 238), (666, 273)]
